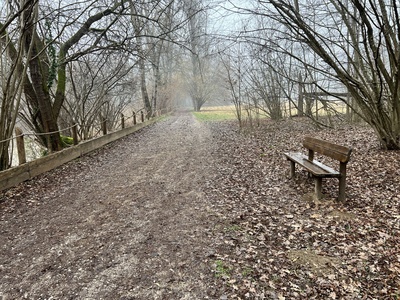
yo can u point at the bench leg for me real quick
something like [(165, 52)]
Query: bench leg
[(342, 189), (292, 169), (342, 183), (318, 187)]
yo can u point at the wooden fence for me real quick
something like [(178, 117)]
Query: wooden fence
[(28, 170)]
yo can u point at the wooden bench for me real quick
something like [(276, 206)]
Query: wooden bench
[(318, 170)]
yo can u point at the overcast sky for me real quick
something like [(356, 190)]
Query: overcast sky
[(225, 18)]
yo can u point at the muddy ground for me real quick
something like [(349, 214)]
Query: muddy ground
[(191, 210)]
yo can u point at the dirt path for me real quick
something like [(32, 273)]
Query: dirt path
[(128, 222)]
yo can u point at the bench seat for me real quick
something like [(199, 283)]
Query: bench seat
[(316, 168)]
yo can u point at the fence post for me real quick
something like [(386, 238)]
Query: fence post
[(75, 133), (134, 118), (122, 121), (20, 146), (104, 125), (142, 115)]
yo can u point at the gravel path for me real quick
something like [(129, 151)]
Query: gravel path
[(127, 222)]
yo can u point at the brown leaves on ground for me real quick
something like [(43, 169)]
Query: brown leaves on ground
[(277, 242)]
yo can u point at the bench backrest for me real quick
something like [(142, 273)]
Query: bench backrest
[(340, 153)]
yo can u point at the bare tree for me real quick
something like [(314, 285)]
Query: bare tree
[(267, 85), (200, 81), (233, 71), (157, 34), (12, 50), (99, 85), (140, 28), (50, 55), (354, 43)]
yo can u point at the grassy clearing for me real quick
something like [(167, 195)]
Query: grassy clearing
[(338, 106), (216, 113), (221, 113)]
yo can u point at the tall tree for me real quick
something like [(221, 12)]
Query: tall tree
[(12, 50), (49, 56), (199, 44), (140, 29), (155, 25), (356, 43)]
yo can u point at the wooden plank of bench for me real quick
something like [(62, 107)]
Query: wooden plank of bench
[(338, 152), (315, 167)]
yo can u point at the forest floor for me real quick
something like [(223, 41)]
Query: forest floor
[(199, 210)]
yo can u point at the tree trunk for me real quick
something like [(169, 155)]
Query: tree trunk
[(143, 87), (41, 92), (300, 104), (4, 156)]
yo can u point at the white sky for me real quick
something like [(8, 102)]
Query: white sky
[(225, 18)]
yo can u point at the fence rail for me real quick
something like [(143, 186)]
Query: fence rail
[(28, 170), (19, 135)]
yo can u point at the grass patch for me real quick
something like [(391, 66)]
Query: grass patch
[(219, 113), (221, 270), (232, 228)]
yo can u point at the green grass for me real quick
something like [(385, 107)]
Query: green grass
[(221, 270), (232, 228), (220, 113)]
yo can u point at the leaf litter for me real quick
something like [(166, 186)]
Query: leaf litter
[(289, 245)]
